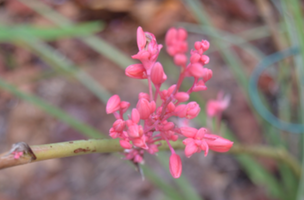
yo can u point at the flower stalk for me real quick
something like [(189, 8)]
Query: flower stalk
[(81, 147)]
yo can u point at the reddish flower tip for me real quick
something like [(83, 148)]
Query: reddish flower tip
[(113, 104), (175, 165), (143, 107), (157, 74), (136, 71), (141, 38)]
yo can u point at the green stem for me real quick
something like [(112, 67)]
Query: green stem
[(81, 147)]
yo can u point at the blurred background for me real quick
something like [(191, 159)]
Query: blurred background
[(62, 59)]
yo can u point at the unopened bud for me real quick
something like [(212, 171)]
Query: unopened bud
[(175, 165)]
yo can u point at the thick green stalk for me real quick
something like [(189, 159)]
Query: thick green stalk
[(81, 147)]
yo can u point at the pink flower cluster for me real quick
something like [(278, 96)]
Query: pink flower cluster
[(148, 123)]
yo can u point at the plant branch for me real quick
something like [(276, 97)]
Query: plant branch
[(81, 147)]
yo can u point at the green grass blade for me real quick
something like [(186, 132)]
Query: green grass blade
[(52, 110), (293, 18), (99, 45), (12, 33)]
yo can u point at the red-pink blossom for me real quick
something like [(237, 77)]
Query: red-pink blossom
[(217, 143), (143, 107), (124, 105), (158, 74), (113, 104), (192, 110), (141, 38), (175, 165), (180, 59), (181, 96), (149, 123), (135, 116), (216, 107), (136, 71), (119, 125), (196, 70), (125, 144), (199, 86)]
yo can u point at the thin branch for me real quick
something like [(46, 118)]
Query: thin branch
[(80, 147)]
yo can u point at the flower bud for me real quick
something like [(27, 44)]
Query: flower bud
[(195, 57), (205, 59), (193, 110), (181, 111), (168, 126), (170, 36), (197, 45), (152, 106), (136, 71), (135, 116), (205, 45), (207, 74), (182, 96), (180, 59), (141, 38), (119, 125), (157, 74), (171, 107), (182, 34), (188, 132), (190, 149), (175, 165), (124, 105), (143, 107), (196, 70), (143, 95), (171, 89), (199, 86), (140, 142), (113, 104), (217, 143), (125, 144)]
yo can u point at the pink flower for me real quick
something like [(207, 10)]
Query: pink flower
[(148, 124), (199, 86), (201, 140), (135, 116), (196, 70), (124, 105), (141, 38), (176, 41), (175, 165), (182, 96), (125, 144), (192, 110), (143, 107), (113, 104), (217, 143), (158, 75), (119, 125), (216, 107), (136, 71)]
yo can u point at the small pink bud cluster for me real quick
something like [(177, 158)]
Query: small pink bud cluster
[(216, 107), (147, 124)]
